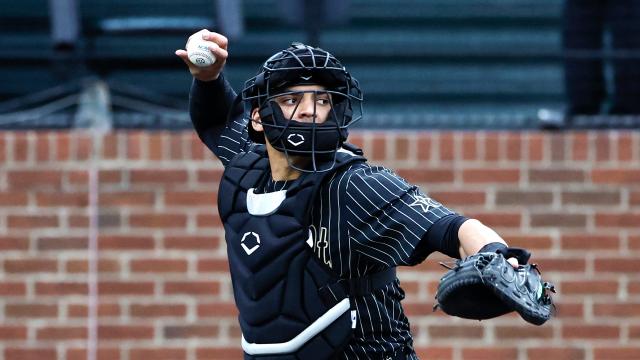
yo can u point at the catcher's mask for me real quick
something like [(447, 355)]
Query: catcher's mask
[(336, 91)]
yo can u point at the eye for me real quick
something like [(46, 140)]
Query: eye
[(323, 100), (288, 100)]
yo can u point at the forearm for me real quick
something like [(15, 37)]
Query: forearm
[(473, 235)]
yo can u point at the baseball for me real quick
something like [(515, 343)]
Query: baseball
[(199, 53)]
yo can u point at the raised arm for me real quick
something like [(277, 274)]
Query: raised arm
[(211, 99)]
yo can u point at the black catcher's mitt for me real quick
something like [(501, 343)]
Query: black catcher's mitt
[(485, 285)]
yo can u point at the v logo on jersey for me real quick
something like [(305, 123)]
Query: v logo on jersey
[(250, 238), (424, 203)]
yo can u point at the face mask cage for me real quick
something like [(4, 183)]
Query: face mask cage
[(303, 65)]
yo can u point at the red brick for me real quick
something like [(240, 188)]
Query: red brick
[(618, 220), (125, 332), (536, 146), (129, 198), (447, 146), (208, 220), (466, 198), (402, 148), (192, 331), (34, 179), (14, 198), (158, 353), (589, 287), (434, 353), (569, 310), (634, 198), (470, 149), (8, 243), (489, 354), (523, 332), (110, 148), (617, 310), (158, 310), (561, 220), (556, 353), (31, 310), (22, 147), (192, 287), (58, 199), (556, 176), (125, 288), (378, 147), (30, 265), (43, 146), (65, 243), (158, 176), (105, 310), (32, 221), (588, 331), (62, 144), (531, 242), (602, 146), (83, 148), (109, 177), (13, 332), (492, 146), (558, 147), (61, 333), (151, 220), (617, 264), (217, 310), (134, 145), (625, 147), (615, 176), (213, 265), (616, 353), (424, 148), (159, 265), (102, 354), (601, 197), (580, 146), (514, 146), (82, 266), (634, 242), (125, 242), (524, 198), (497, 219), (191, 198), (13, 289), (61, 288), (426, 176), (30, 354), (176, 148), (589, 242), (561, 264), (209, 176), (491, 175), (190, 242), (456, 331), (219, 353)]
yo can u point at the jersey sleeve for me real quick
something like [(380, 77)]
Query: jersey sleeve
[(218, 119), (388, 217)]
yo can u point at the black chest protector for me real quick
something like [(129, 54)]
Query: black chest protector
[(291, 305)]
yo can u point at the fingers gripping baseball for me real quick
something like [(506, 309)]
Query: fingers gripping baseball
[(205, 54)]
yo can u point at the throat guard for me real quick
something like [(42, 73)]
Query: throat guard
[(291, 305)]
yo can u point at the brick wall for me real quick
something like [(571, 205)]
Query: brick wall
[(161, 289)]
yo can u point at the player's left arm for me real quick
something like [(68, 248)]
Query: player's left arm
[(474, 236)]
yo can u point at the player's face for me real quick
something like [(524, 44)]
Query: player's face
[(305, 103)]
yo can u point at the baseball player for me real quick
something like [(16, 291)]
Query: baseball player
[(314, 233)]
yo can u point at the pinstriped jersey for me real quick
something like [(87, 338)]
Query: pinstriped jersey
[(366, 219)]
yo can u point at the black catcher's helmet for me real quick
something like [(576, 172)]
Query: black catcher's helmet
[(303, 65)]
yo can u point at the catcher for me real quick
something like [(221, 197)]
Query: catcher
[(314, 233)]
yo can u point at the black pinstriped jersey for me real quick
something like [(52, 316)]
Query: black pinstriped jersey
[(366, 219)]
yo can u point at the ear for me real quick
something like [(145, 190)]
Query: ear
[(256, 122)]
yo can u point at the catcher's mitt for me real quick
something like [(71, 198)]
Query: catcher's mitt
[(485, 285)]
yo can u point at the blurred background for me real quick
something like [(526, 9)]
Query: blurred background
[(520, 113)]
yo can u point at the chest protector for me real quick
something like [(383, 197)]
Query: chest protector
[(291, 305)]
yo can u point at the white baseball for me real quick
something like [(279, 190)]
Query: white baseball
[(199, 53)]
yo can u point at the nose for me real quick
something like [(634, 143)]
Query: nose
[(306, 109)]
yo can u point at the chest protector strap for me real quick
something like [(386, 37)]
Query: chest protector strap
[(291, 305)]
